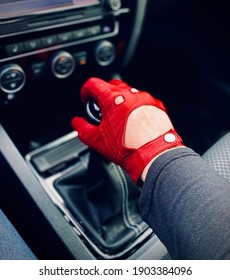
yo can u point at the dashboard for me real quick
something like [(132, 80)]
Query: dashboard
[(50, 48), (53, 183)]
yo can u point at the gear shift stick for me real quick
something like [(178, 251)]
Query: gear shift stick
[(103, 198), (93, 111), (105, 202)]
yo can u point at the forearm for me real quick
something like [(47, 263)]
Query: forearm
[(187, 204)]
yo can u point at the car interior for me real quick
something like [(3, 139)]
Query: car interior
[(65, 200)]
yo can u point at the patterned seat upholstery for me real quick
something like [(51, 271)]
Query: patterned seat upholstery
[(218, 156)]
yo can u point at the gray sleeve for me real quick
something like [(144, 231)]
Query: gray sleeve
[(187, 204)]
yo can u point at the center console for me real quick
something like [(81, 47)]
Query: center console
[(86, 205), (95, 196), (49, 49)]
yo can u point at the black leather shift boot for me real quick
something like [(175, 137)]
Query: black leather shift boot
[(104, 201)]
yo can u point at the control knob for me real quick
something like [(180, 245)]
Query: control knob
[(105, 53), (63, 64), (93, 112), (113, 5), (12, 79)]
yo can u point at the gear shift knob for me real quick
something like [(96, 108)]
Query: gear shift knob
[(93, 111)]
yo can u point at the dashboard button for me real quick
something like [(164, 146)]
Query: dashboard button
[(81, 58), (49, 41), (94, 30), (32, 45), (64, 37), (15, 49), (38, 68), (79, 34)]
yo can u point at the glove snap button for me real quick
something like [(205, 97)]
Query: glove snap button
[(169, 138), (119, 100), (134, 90)]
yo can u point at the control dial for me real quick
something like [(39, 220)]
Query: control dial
[(63, 64), (113, 5), (12, 79), (105, 53)]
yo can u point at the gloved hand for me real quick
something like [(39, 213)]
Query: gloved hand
[(134, 129)]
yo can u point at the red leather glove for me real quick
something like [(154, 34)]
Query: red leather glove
[(117, 100)]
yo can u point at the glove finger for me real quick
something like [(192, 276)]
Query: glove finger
[(86, 131), (96, 89)]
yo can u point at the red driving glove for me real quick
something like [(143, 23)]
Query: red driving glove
[(117, 100)]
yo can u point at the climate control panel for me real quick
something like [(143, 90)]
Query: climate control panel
[(56, 48), (61, 64)]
